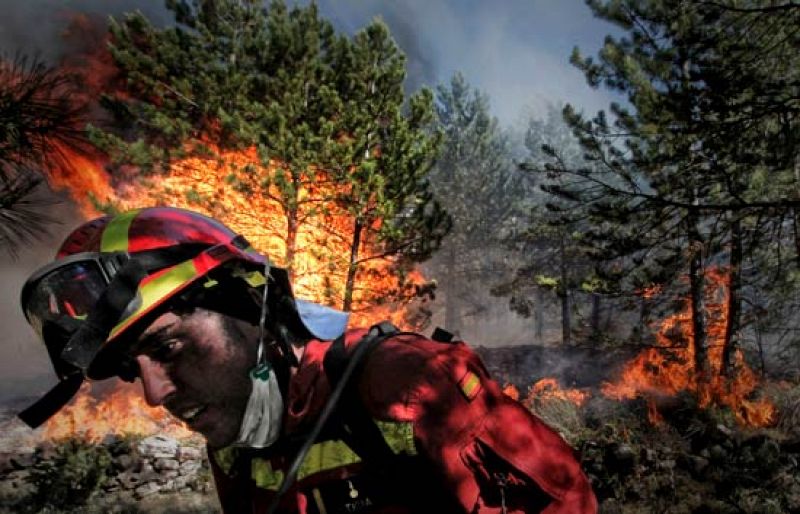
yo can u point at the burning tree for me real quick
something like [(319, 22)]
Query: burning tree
[(261, 114), (380, 164), (701, 167)]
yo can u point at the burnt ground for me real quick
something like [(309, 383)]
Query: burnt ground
[(573, 367)]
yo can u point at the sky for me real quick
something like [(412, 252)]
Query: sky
[(515, 51)]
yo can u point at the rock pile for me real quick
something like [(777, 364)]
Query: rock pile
[(130, 469), (158, 464)]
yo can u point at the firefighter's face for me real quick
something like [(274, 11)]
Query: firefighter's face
[(196, 365)]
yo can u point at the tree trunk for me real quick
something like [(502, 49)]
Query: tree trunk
[(640, 324), (594, 319), (796, 234), (760, 344), (291, 240), (452, 307), (563, 295), (733, 309), (352, 268), (538, 315), (696, 298)]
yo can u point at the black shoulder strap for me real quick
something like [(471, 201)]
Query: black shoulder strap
[(343, 367), (358, 429)]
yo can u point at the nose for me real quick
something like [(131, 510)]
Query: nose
[(155, 380)]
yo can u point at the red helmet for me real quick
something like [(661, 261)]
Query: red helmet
[(114, 271), (171, 249)]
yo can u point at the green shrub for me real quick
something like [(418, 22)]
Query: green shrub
[(75, 472)]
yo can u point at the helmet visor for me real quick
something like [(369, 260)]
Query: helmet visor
[(67, 290)]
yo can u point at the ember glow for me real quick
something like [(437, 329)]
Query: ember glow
[(669, 368)]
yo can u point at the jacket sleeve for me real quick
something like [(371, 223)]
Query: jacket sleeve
[(488, 449)]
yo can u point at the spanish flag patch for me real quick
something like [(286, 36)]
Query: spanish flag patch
[(470, 385)]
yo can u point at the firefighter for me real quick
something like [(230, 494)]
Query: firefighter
[(300, 413)]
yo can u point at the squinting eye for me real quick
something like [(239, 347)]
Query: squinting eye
[(166, 350)]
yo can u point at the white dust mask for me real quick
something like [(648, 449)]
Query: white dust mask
[(261, 424)]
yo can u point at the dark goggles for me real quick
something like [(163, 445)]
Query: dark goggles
[(68, 289)]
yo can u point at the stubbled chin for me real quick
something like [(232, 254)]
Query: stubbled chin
[(218, 433)]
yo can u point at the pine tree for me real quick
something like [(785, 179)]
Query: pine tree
[(553, 255), (380, 165), (40, 119), (701, 166), (474, 180)]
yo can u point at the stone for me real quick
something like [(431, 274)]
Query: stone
[(611, 506), (181, 482), (648, 455), (163, 464), (124, 462), (769, 451), (717, 453), (792, 498), (158, 446), (189, 453), (624, 453), (167, 476), (190, 467), (150, 476), (110, 440), (23, 460), (697, 465), (128, 480), (666, 464), (16, 484), (6, 464), (146, 490), (727, 432)]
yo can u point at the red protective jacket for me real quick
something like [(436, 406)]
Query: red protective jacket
[(465, 446)]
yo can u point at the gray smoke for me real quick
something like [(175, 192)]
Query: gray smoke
[(36, 27)]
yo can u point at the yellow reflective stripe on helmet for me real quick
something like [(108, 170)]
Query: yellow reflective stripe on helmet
[(157, 288), (115, 236)]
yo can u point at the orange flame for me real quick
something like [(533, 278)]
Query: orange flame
[(667, 369), (123, 411), (549, 389), (511, 391)]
